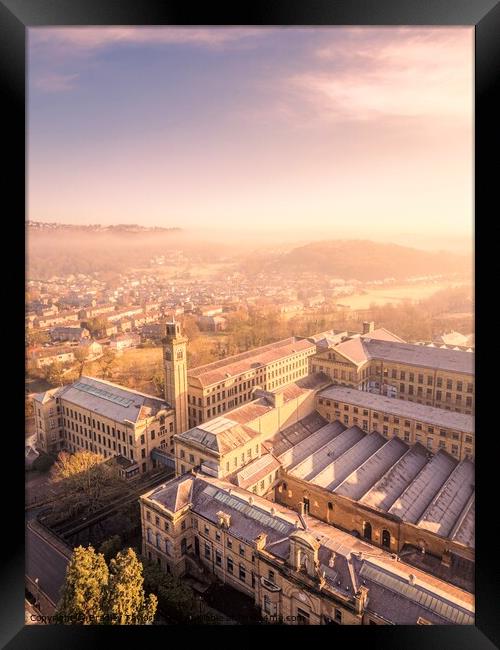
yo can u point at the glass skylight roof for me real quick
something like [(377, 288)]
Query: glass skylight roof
[(418, 595), (249, 511), (104, 394)]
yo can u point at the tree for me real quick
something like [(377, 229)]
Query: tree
[(81, 357), (126, 603), (107, 362), (29, 410), (53, 373), (190, 327), (94, 594), (158, 380), (83, 592), (97, 326), (110, 547), (37, 337), (85, 481), (175, 599)]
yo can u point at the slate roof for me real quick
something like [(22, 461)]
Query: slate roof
[(362, 349), (112, 401), (346, 561), (219, 371)]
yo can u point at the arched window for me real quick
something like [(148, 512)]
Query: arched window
[(386, 538), (367, 530), (150, 536), (183, 545), (284, 486)]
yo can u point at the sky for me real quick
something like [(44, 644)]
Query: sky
[(343, 131)]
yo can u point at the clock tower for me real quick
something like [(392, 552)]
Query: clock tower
[(175, 362)]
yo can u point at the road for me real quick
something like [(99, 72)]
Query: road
[(45, 561)]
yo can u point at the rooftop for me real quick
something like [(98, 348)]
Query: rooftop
[(345, 561), (367, 347), (435, 493), (402, 408), (219, 371), (256, 470), (219, 435), (112, 401)]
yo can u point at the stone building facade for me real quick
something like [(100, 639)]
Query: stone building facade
[(295, 571), (98, 416), (430, 376)]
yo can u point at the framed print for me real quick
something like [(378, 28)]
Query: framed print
[(256, 254)]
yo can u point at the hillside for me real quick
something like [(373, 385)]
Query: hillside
[(361, 260)]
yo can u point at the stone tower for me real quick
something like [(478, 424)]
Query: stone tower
[(175, 360)]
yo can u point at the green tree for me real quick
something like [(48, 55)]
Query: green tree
[(175, 599), (53, 373), (94, 594), (126, 603), (83, 593), (110, 547)]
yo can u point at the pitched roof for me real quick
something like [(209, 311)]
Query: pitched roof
[(111, 400), (219, 435), (218, 371), (366, 347), (345, 561)]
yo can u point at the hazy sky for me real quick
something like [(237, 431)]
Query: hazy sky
[(341, 130)]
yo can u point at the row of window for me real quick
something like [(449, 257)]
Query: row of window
[(93, 435), (386, 418), (262, 484), (418, 437), (87, 420), (80, 443), (459, 385)]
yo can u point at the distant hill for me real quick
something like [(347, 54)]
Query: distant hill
[(361, 260)]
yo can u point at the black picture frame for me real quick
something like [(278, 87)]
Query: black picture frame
[(18, 15)]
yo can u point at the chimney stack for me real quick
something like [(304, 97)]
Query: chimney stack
[(368, 326), (360, 598)]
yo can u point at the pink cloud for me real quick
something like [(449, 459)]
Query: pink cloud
[(399, 73)]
